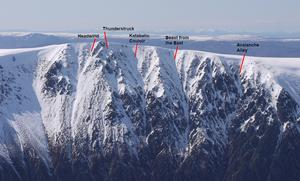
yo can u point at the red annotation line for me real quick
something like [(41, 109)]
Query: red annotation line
[(176, 51), (105, 38), (241, 66), (92, 48), (136, 49)]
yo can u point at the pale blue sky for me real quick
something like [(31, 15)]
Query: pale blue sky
[(160, 15)]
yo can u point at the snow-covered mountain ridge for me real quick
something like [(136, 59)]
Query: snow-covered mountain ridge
[(67, 113)]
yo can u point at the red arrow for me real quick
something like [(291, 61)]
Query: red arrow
[(176, 51), (135, 51), (92, 48), (241, 66), (105, 38)]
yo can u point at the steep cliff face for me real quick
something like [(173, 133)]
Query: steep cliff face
[(70, 114)]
